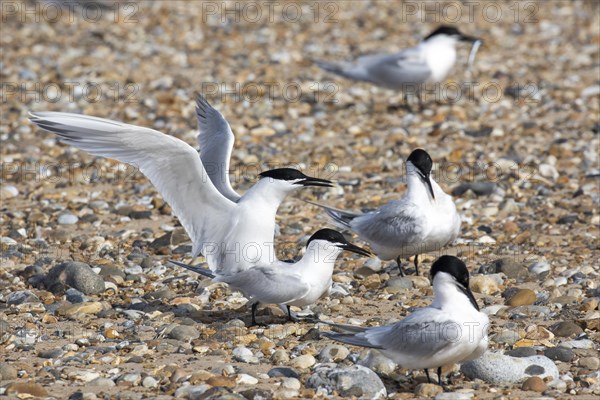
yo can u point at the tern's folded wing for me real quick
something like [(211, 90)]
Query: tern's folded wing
[(215, 141), (406, 67), (172, 166), (268, 285), (393, 225), (423, 333)]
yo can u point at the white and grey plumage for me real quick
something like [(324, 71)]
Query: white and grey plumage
[(429, 62), (422, 221), (451, 330), (232, 235), (300, 283)]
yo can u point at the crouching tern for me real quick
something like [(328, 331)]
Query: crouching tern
[(451, 330), (300, 283), (422, 221), (233, 233), (428, 62)]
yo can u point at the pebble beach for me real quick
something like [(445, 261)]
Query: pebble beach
[(90, 308)]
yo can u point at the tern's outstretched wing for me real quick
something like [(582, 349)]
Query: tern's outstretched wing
[(269, 285), (341, 217), (215, 142), (172, 166)]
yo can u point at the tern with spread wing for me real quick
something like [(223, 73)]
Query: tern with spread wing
[(300, 283), (422, 221), (428, 62), (233, 233), (451, 330)]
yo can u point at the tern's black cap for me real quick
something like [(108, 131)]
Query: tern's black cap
[(444, 30), (421, 159), (329, 235), (284, 174), (453, 266)]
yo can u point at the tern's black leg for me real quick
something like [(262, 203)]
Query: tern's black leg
[(420, 99), (428, 377), (254, 307), (440, 376), (417, 264), (290, 313), (400, 266)]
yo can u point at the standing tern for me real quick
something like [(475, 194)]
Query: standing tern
[(232, 235), (451, 330), (428, 62), (422, 221), (300, 283)]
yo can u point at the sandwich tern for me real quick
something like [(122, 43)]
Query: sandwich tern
[(422, 221), (232, 235), (299, 283), (451, 330), (428, 62)]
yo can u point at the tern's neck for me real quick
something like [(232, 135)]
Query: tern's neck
[(320, 256), (449, 297), (418, 191), (440, 56), (266, 193)]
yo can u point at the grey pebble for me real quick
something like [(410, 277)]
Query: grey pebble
[(67, 219), (7, 372), (283, 372), (333, 352), (20, 297), (559, 354), (500, 368), (75, 274), (521, 352), (184, 333), (356, 381)]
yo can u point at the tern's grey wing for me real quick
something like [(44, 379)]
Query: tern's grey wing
[(423, 333), (172, 166), (215, 141), (394, 224), (269, 285), (398, 70)]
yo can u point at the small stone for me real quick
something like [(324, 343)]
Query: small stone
[(428, 390), (333, 353), (84, 308), (76, 275), (20, 297), (522, 297), (354, 381), (291, 383), (184, 333), (67, 219), (243, 354), (521, 352), (102, 382), (221, 381), (483, 284), (283, 372), (7, 372), (50, 353), (499, 368), (245, 379), (257, 394), (8, 191), (149, 382), (304, 361), (592, 363), (31, 388), (377, 362), (559, 354), (566, 329), (534, 384)]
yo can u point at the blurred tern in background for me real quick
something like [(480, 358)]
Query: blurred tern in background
[(299, 284), (451, 330), (428, 62), (232, 233), (422, 221)]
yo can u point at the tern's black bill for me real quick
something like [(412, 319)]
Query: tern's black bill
[(356, 249), (469, 294), (309, 181), (427, 180)]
